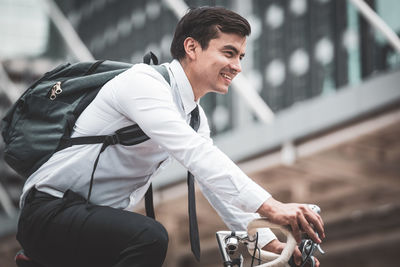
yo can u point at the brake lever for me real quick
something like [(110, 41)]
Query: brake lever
[(307, 246), (316, 209)]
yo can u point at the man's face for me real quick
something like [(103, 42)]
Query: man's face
[(217, 65)]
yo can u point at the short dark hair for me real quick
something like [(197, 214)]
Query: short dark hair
[(204, 24)]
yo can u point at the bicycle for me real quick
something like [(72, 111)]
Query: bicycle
[(229, 242)]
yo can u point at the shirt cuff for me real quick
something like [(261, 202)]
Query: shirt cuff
[(251, 197), (265, 235)]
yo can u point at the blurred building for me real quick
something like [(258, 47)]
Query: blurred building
[(327, 77)]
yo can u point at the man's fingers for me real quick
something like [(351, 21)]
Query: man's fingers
[(319, 227), (297, 256), (296, 230), (316, 262), (320, 220), (316, 220), (305, 225)]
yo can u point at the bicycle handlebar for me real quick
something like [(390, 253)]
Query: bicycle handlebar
[(229, 241), (275, 260)]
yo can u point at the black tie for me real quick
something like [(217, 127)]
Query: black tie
[(193, 227)]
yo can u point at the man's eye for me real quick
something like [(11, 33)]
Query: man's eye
[(229, 53)]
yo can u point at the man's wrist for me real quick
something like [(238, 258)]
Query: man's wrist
[(268, 207), (274, 246)]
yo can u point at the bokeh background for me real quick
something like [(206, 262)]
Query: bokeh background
[(313, 118)]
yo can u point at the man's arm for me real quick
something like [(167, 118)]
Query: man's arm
[(150, 104)]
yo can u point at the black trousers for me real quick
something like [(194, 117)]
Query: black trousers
[(69, 232)]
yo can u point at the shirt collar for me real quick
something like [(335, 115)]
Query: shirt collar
[(184, 87)]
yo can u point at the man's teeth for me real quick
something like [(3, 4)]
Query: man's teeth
[(226, 76)]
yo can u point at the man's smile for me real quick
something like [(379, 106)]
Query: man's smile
[(227, 77)]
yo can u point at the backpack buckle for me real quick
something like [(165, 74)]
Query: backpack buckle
[(112, 139)]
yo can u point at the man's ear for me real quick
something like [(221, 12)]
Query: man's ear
[(190, 46)]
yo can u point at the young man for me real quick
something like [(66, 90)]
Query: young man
[(58, 228)]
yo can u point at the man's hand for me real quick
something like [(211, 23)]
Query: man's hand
[(276, 246), (299, 216)]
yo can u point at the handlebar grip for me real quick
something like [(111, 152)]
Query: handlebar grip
[(277, 260)]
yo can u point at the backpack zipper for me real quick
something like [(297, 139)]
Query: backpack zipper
[(55, 90)]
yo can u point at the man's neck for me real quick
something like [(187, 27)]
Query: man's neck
[(190, 74)]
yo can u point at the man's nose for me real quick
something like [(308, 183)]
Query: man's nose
[(236, 67)]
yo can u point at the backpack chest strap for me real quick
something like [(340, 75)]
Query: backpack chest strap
[(127, 136)]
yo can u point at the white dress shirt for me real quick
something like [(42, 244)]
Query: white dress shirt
[(141, 95)]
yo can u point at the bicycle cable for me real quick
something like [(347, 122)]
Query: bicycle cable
[(309, 255), (254, 252)]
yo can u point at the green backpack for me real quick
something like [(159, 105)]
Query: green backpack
[(41, 121)]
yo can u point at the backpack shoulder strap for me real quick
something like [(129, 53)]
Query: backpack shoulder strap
[(130, 135), (163, 71)]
